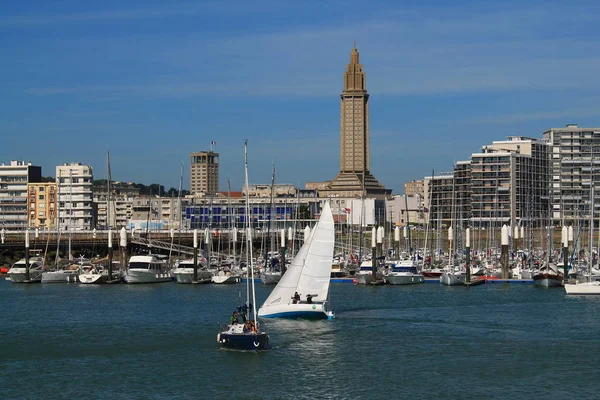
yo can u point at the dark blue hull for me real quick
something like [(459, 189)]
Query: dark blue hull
[(244, 341)]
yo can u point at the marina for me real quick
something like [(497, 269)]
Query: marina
[(491, 335)]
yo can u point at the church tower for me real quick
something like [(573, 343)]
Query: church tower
[(354, 178)]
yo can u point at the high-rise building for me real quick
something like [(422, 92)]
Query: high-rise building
[(204, 172), (75, 198), (41, 203), (14, 178), (575, 167), (509, 183), (354, 178)]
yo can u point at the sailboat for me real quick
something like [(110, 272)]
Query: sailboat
[(308, 275), (247, 334), (591, 287)]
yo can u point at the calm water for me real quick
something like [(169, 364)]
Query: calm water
[(68, 341)]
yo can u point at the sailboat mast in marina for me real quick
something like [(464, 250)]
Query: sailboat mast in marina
[(247, 333)]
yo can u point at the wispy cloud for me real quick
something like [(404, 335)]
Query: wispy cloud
[(172, 9), (425, 54), (557, 114)]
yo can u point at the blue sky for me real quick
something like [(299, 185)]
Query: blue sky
[(155, 80)]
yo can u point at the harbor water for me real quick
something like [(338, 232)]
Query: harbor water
[(67, 341)]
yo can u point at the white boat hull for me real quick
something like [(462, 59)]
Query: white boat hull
[(187, 276), (225, 279), (404, 279), (145, 276), (92, 278), (302, 310), (547, 280), (451, 279), (366, 279), (59, 276), (270, 278), (586, 288), (18, 275)]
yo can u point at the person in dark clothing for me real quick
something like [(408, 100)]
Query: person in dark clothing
[(309, 299), (296, 298)]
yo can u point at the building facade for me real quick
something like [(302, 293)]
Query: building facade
[(414, 188), (575, 168), (14, 194), (462, 192), (75, 197), (42, 205), (156, 212), (439, 199), (204, 172), (510, 183), (116, 212), (355, 178), (279, 190)]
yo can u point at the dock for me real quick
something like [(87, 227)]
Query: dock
[(491, 281)]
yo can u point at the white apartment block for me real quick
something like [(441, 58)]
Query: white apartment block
[(575, 167), (14, 178), (75, 197), (509, 183)]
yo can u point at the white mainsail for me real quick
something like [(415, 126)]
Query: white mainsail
[(310, 270)]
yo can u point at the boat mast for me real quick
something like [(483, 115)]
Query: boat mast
[(70, 211), (427, 227), (180, 212), (248, 234)]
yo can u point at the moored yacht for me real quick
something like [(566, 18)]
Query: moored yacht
[(364, 275), (92, 274), (404, 273), (453, 278), (147, 269), (548, 276), (226, 277), (18, 272), (270, 277), (583, 288), (184, 272), (62, 274)]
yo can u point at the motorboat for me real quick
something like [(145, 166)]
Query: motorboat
[(18, 272), (92, 274), (404, 273), (226, 277), (147, 269), (184, 272)]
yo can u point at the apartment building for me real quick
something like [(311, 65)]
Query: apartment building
[(75, 198), (42, 205), (14, 178), (575, 167), (509, 183)]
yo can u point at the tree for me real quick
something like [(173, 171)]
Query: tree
[(304, 212)]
